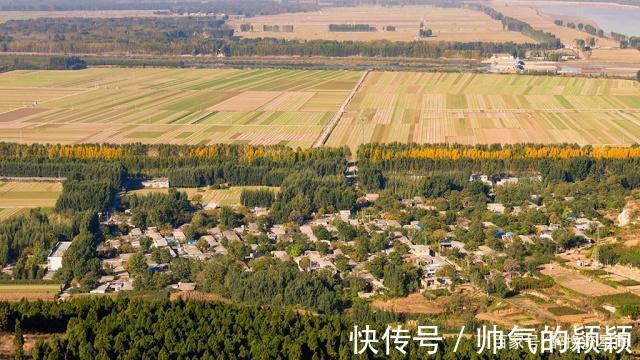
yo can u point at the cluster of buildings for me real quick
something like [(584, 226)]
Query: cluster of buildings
[(217, 239)]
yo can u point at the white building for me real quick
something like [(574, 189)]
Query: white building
[(157, 183), (481, 177), (54, 261), (507, 181)]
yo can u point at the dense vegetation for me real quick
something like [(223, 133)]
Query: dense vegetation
[(185, 165), (260, 197), (28, 239), (272, 282), (304, 193), (81, 195), (136, 329), (211, 36), (351, 28), (554, 163), (512, 24), (377, 48), (244, 7), (166, 36), (66, 63), (157, 209)]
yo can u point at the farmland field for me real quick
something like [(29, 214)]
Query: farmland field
[(489, 108), (448, 24), (15, 195), (29, 291), (182, 106), (222, 197), (23, 15)]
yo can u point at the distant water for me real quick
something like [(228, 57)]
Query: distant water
[(624, 20)]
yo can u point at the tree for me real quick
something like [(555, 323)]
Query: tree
[(229, 218), (497, 284), (18, 342), (638, 75), (305, 263), (238, 250), (137, 263), (342, 263)]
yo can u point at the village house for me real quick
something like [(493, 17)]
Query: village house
[(510, 180), (307, 230), (156, 183), (371, 197), (496, 208), (54, 260), (260, 211), (480, 177), (192, 252), (179, 236), (281, 255), (277, 231), (368, 277), (135, 233), (344, 215), (212, 205), (210, 240), (230, 235), (317, 261)]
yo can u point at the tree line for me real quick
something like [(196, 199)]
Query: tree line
[(102, 327), (211, 36), (351, 28), (259, 197), (164, 7), (568, 163), (185, 165), (375, 48), (511, 24)]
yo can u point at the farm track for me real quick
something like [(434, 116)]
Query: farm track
[(324, 136)]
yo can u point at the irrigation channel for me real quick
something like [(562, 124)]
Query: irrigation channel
[(322, 139)]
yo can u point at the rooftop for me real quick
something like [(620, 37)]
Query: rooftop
[(60, 248)]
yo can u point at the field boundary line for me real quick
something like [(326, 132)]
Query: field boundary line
[(324, 136), (32, 178)]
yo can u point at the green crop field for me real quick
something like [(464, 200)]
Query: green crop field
[(27, 194), (186, 106), (28, 290), (490, 108), (291, 107)]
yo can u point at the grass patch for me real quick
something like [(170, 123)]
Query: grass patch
[(629, 282), (564, 310), (597, 272), (620, 299), (435, 293)]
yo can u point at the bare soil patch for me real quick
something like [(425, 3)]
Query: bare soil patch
[(17, 114), (578, 282), (6, 343)]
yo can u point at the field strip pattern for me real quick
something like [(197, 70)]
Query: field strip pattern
[(28, 194), (180, 106), (322, 139), (471, 108)]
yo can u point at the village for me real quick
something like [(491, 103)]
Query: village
[(332, 242)]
